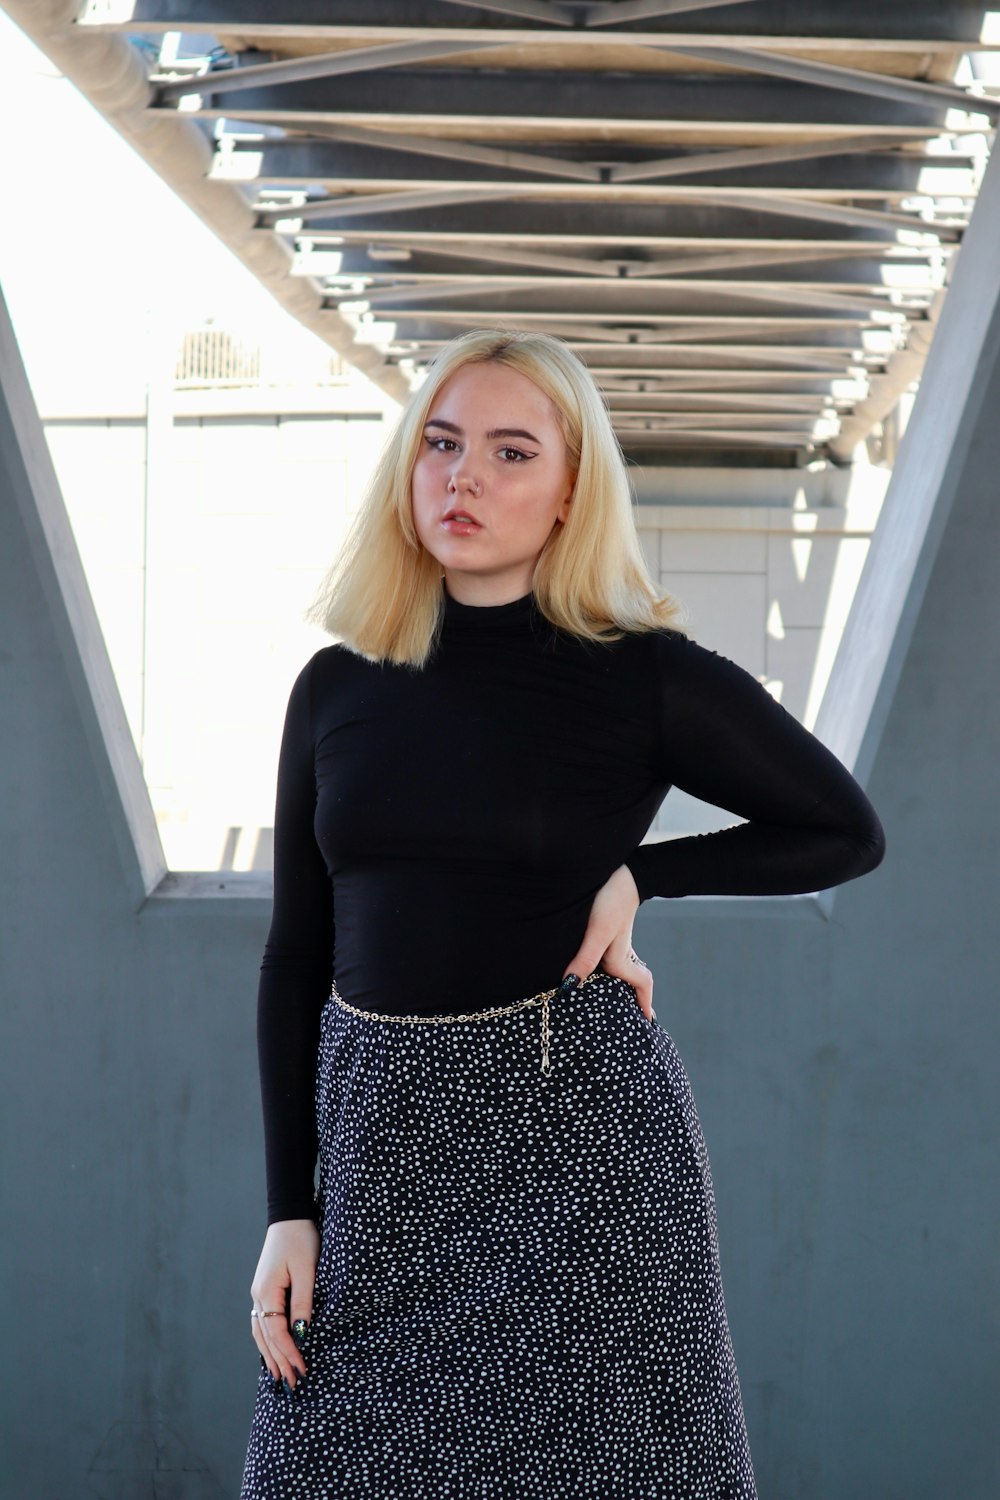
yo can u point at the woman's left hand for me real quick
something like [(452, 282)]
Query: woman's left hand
[(608, 938)]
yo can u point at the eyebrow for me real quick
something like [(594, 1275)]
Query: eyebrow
[(494, 432)]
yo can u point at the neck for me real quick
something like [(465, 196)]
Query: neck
[(512, 618), (485, 592)]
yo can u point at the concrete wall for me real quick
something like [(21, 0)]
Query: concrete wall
[(847, 1079), (845, 1071)]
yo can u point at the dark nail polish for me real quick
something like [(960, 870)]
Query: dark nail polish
[(570, 982), (300, 1328), (263, 1362), (289, 1390)]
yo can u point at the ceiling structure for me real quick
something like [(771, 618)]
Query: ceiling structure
[(742, 216)]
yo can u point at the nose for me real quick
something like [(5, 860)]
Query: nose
[(462, 478)]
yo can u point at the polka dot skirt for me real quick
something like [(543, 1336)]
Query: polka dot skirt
[(518, 1292)]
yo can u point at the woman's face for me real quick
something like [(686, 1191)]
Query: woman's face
[(492, 449)]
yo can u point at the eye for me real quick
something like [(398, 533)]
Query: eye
[(434, 441), (519, 457)]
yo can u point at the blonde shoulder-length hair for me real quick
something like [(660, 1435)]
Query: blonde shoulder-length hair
[(383, 596)]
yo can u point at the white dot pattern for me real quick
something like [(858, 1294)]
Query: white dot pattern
[(518, 1291)]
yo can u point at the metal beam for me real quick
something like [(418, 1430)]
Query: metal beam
[(776, 357), (516, 255), (535, 10), (742, 260), (694, 435), (618, 395), (698, 216), (353, 177), (359, 204), (430, 290), (342, 156), (716, 402), (544, 226), (799, 297), (731, 381), (781, 204), (669, 327), (551, 101), (424, 267), (418, 257), (571, 328), (775, 362), (665, 421), (903, 369), (833, 76), (751, 377), (757, 156), (300, 69), (916, 28), (643, 321), (424, 145), (612, 14), (743, 423), (830, 345), (835, 213)]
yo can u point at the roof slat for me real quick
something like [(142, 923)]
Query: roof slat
[(742, 215)]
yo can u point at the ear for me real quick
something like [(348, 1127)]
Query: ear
[(563, 510)]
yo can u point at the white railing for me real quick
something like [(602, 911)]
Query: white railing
[(212, 358)]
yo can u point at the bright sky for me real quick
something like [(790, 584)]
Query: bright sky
[(95, 245)]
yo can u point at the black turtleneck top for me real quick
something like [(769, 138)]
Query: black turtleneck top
[(440, 833)]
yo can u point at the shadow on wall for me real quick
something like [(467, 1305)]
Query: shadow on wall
[(247, 849)]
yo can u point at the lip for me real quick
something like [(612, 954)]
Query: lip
[(462, 522)]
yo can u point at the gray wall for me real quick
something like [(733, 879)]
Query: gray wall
[(843, 1069)]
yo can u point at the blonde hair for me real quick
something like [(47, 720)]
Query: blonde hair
[(383, 596)]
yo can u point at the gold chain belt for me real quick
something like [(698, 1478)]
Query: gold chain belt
[(480, 1015)]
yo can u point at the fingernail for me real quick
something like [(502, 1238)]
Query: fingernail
[(299, 1330), (570, 982), (263, 1362), (290, 1389)]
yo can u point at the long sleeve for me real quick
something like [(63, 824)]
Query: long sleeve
[(725, 740), (296, 971)]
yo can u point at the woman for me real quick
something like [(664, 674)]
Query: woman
[(507, 1283)]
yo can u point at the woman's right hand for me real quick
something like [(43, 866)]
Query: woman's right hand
[(283, 1283)]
